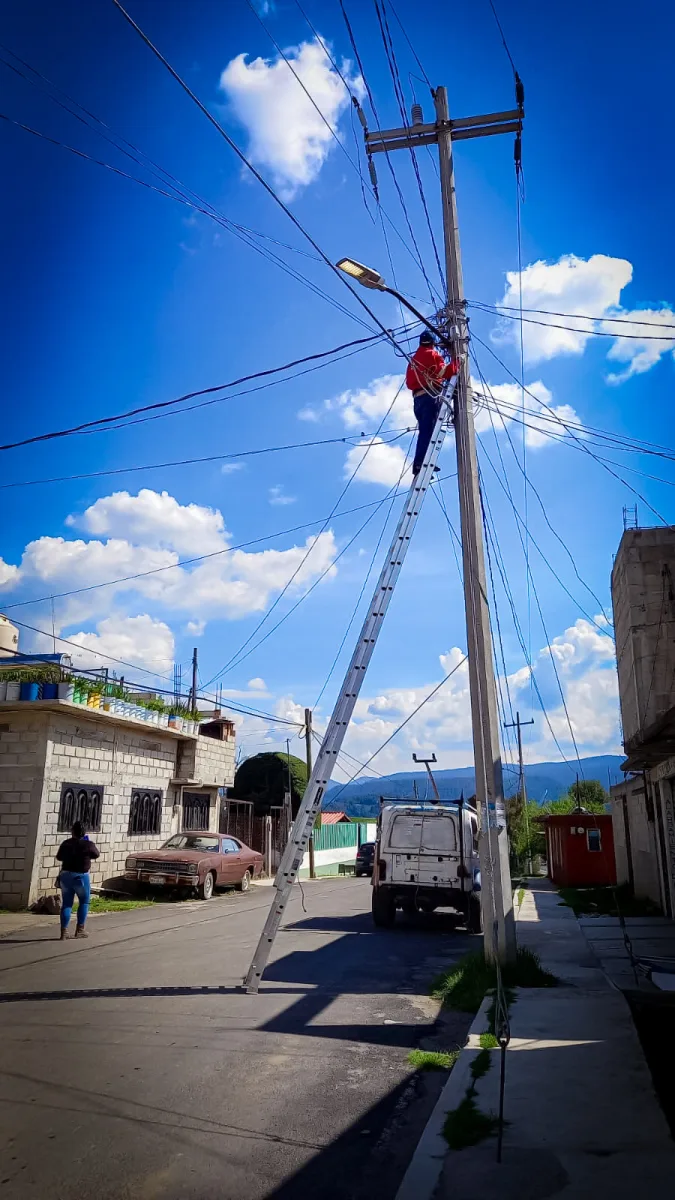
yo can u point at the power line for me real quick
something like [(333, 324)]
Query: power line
[(547, 312), (430, 696), (165, 404), (566, 426), (555, 533), (245, 235), (434, 297), (254, 171), (503, 37), (609, 333), (196, 559), (186, 462), (231, 661)]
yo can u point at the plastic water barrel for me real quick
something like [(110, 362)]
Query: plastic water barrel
[(29, 691)]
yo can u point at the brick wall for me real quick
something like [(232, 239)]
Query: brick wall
[(40, 750), (22, 751), (120, 761)]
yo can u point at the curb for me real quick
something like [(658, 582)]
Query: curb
[(422, 1175)]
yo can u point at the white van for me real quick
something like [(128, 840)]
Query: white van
[(426, 857)]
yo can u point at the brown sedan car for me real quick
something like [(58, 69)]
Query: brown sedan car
[(197, 861)]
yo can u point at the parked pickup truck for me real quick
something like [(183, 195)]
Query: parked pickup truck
[(426, 857), (198, 862)]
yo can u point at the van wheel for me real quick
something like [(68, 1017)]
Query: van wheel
[(474, 916), (384, 908)]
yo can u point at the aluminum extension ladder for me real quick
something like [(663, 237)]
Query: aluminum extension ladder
[(337, 727)]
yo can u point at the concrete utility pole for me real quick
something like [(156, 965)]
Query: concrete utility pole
[(518, 725), (427, 762), (192, 703), (498, 920), (308, 756)]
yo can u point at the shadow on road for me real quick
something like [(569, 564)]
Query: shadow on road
[(117, 993)]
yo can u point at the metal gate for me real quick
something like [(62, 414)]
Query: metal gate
[(196, 807), (236, 818)]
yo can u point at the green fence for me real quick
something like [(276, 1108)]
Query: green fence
[(338, 837)]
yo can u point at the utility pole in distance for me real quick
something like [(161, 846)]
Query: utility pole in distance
[(518, 725), (308, 757), (497, 901), (192, 703)]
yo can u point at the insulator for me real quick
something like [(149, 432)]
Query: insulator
[(417, 114), (520, 92), (373, 174), (361, 114)]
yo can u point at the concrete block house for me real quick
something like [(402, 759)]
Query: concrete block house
[(132, 784)]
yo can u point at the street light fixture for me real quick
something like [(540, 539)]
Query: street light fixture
[(370, 278), (364, 275)]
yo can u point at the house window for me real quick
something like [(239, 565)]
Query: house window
[(196, 810), (79, 803), (594, 841), (145, 813)]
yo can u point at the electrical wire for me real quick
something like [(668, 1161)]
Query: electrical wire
[(435, 298), (166, 404), (186, 462), (197, 558), (363, 587), (231, 662), (566, 426), (508, 310), (430, 696), (254, 171), (640, 337), (545, 514)]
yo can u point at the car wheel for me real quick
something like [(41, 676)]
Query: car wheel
[(383, 908), (474, 916), (245, 882), (207, 888)]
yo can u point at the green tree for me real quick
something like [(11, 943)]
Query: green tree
[(264, 780), (526, 836), (587, 793)]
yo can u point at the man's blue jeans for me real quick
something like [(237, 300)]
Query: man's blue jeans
[(426, 411), (73, 884)]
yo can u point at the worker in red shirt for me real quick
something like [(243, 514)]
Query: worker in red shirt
[(427, 371)]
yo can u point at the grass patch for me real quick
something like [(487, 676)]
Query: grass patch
[(488, 1041), (521, 896), (433, 1060), (101, 904), (466, 1125), (607, 902), (464, 984)]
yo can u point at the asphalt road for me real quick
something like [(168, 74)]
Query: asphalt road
[(120, 1078)]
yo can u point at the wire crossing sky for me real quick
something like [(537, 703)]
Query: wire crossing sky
[(146, 262)]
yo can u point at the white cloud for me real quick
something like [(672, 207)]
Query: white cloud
[(229, 468), (257, 684), (154, 519), (377, 462), (583, 288), (230, 584), (196, 628), (502, 402), (639, 351), (582, 644), (277, 496), (141, 640), (570, 285), (9, 574), (384, 399), (286, 134)]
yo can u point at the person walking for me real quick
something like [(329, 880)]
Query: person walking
[(426, 373), (75, 855)]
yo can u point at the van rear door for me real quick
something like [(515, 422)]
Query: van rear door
[(424, 848)]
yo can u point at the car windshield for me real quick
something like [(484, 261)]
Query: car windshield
[(192, 841)]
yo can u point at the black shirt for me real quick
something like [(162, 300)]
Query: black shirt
[(76, 854)]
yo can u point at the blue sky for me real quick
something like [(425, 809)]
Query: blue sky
[(118, 297)]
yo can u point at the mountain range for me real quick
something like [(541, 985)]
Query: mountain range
[(544, 781)]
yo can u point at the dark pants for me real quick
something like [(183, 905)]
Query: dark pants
[(426, 411)]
